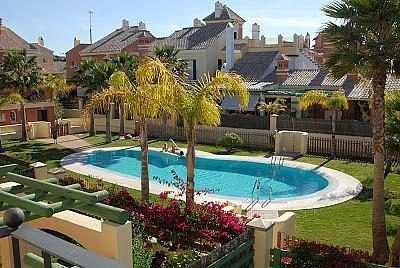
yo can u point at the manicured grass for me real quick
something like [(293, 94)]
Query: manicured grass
[(36, 151), (346, 224)]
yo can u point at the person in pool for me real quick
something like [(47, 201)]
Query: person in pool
[(165, 148), (181, 154)]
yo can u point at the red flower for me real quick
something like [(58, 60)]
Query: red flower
[(163, 195)]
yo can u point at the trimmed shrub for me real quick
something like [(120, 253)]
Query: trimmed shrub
[(230, 141), (392, 207)]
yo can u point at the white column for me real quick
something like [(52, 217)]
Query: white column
[(263, 234)]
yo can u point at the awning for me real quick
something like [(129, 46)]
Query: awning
[(232, 103)]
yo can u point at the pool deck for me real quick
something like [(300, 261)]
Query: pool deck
[(342, 187)]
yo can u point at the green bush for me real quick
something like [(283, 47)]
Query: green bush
[(230, 141), (392, 207), (142, 258)]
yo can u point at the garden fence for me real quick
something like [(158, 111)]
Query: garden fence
[(245, 121), (251, 138), (312, 125), (344, 147), (234, 254)]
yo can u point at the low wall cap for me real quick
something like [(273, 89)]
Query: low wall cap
[(38, 164), (261, 224)]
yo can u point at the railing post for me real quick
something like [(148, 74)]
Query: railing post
[(273, 122), (40, 170), (263, 234)]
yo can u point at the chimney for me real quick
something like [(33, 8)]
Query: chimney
[(218, 9), (197, 23), (280, 40), (352, 77), (307, 41), (282, 69), (142, 26), (40, 41), (296, 40), (263, 40), (255, 34), (1, 24), (230, 50), (125, 24), (77, 41)]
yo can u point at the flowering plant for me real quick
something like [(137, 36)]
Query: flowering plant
[(314, 254)]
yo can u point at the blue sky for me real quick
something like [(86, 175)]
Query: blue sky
[(59, 21)]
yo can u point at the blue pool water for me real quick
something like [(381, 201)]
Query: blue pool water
[(228, 177)]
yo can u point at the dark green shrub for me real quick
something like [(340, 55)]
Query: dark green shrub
[(391, 230), (392, 207), (230, 141)]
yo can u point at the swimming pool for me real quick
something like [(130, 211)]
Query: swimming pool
[(232, 178)]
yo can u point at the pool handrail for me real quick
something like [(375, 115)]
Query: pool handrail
[(257, 184)]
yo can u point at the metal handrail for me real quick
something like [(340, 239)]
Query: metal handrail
[(257, 184)]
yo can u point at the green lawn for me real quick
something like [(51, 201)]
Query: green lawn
[(346, 224)]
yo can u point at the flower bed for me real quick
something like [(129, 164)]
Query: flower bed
[(176, 231)]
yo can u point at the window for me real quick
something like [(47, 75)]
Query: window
[(2, 117), (219, 64), (42, 115), (13, 116), (235, 35), (44, 60), (194, 77)]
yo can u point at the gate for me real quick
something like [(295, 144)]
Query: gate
[(62, 128)]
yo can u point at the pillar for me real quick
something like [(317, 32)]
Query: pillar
[(80, 104), (303, 143), (40, 170), (263, 235), (119, 241), (273, 122)]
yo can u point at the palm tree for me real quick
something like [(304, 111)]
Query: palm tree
[(95, 77), (168, 55), (198, 104), (333, 102), (366, 37), (273, 107), (127, 64), (155, 86), (22, 73)]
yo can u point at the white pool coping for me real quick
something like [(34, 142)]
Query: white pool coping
[(342, 187)]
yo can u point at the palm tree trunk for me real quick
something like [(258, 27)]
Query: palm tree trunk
[(145, 165), (164, 134), (380, 242), (190, 164), (108, 125), (92, 130), (122, 119), (333, 153), (24, 133)]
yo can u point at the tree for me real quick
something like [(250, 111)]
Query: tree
[(21, 72), (127, 64), (155, 86), (392, 125), (366, 35), (168, 55), (333, 102), (198, 104), (273, 107), (95, 77)]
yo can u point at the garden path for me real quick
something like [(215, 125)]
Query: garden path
[(71, 142)]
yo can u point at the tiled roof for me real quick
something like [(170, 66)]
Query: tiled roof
[(227, 14), (237, 47), (10, 40), (193, 38), (117, 40), (312, 78), (254, 65)]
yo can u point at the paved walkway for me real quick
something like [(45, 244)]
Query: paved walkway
[(72, 142)]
